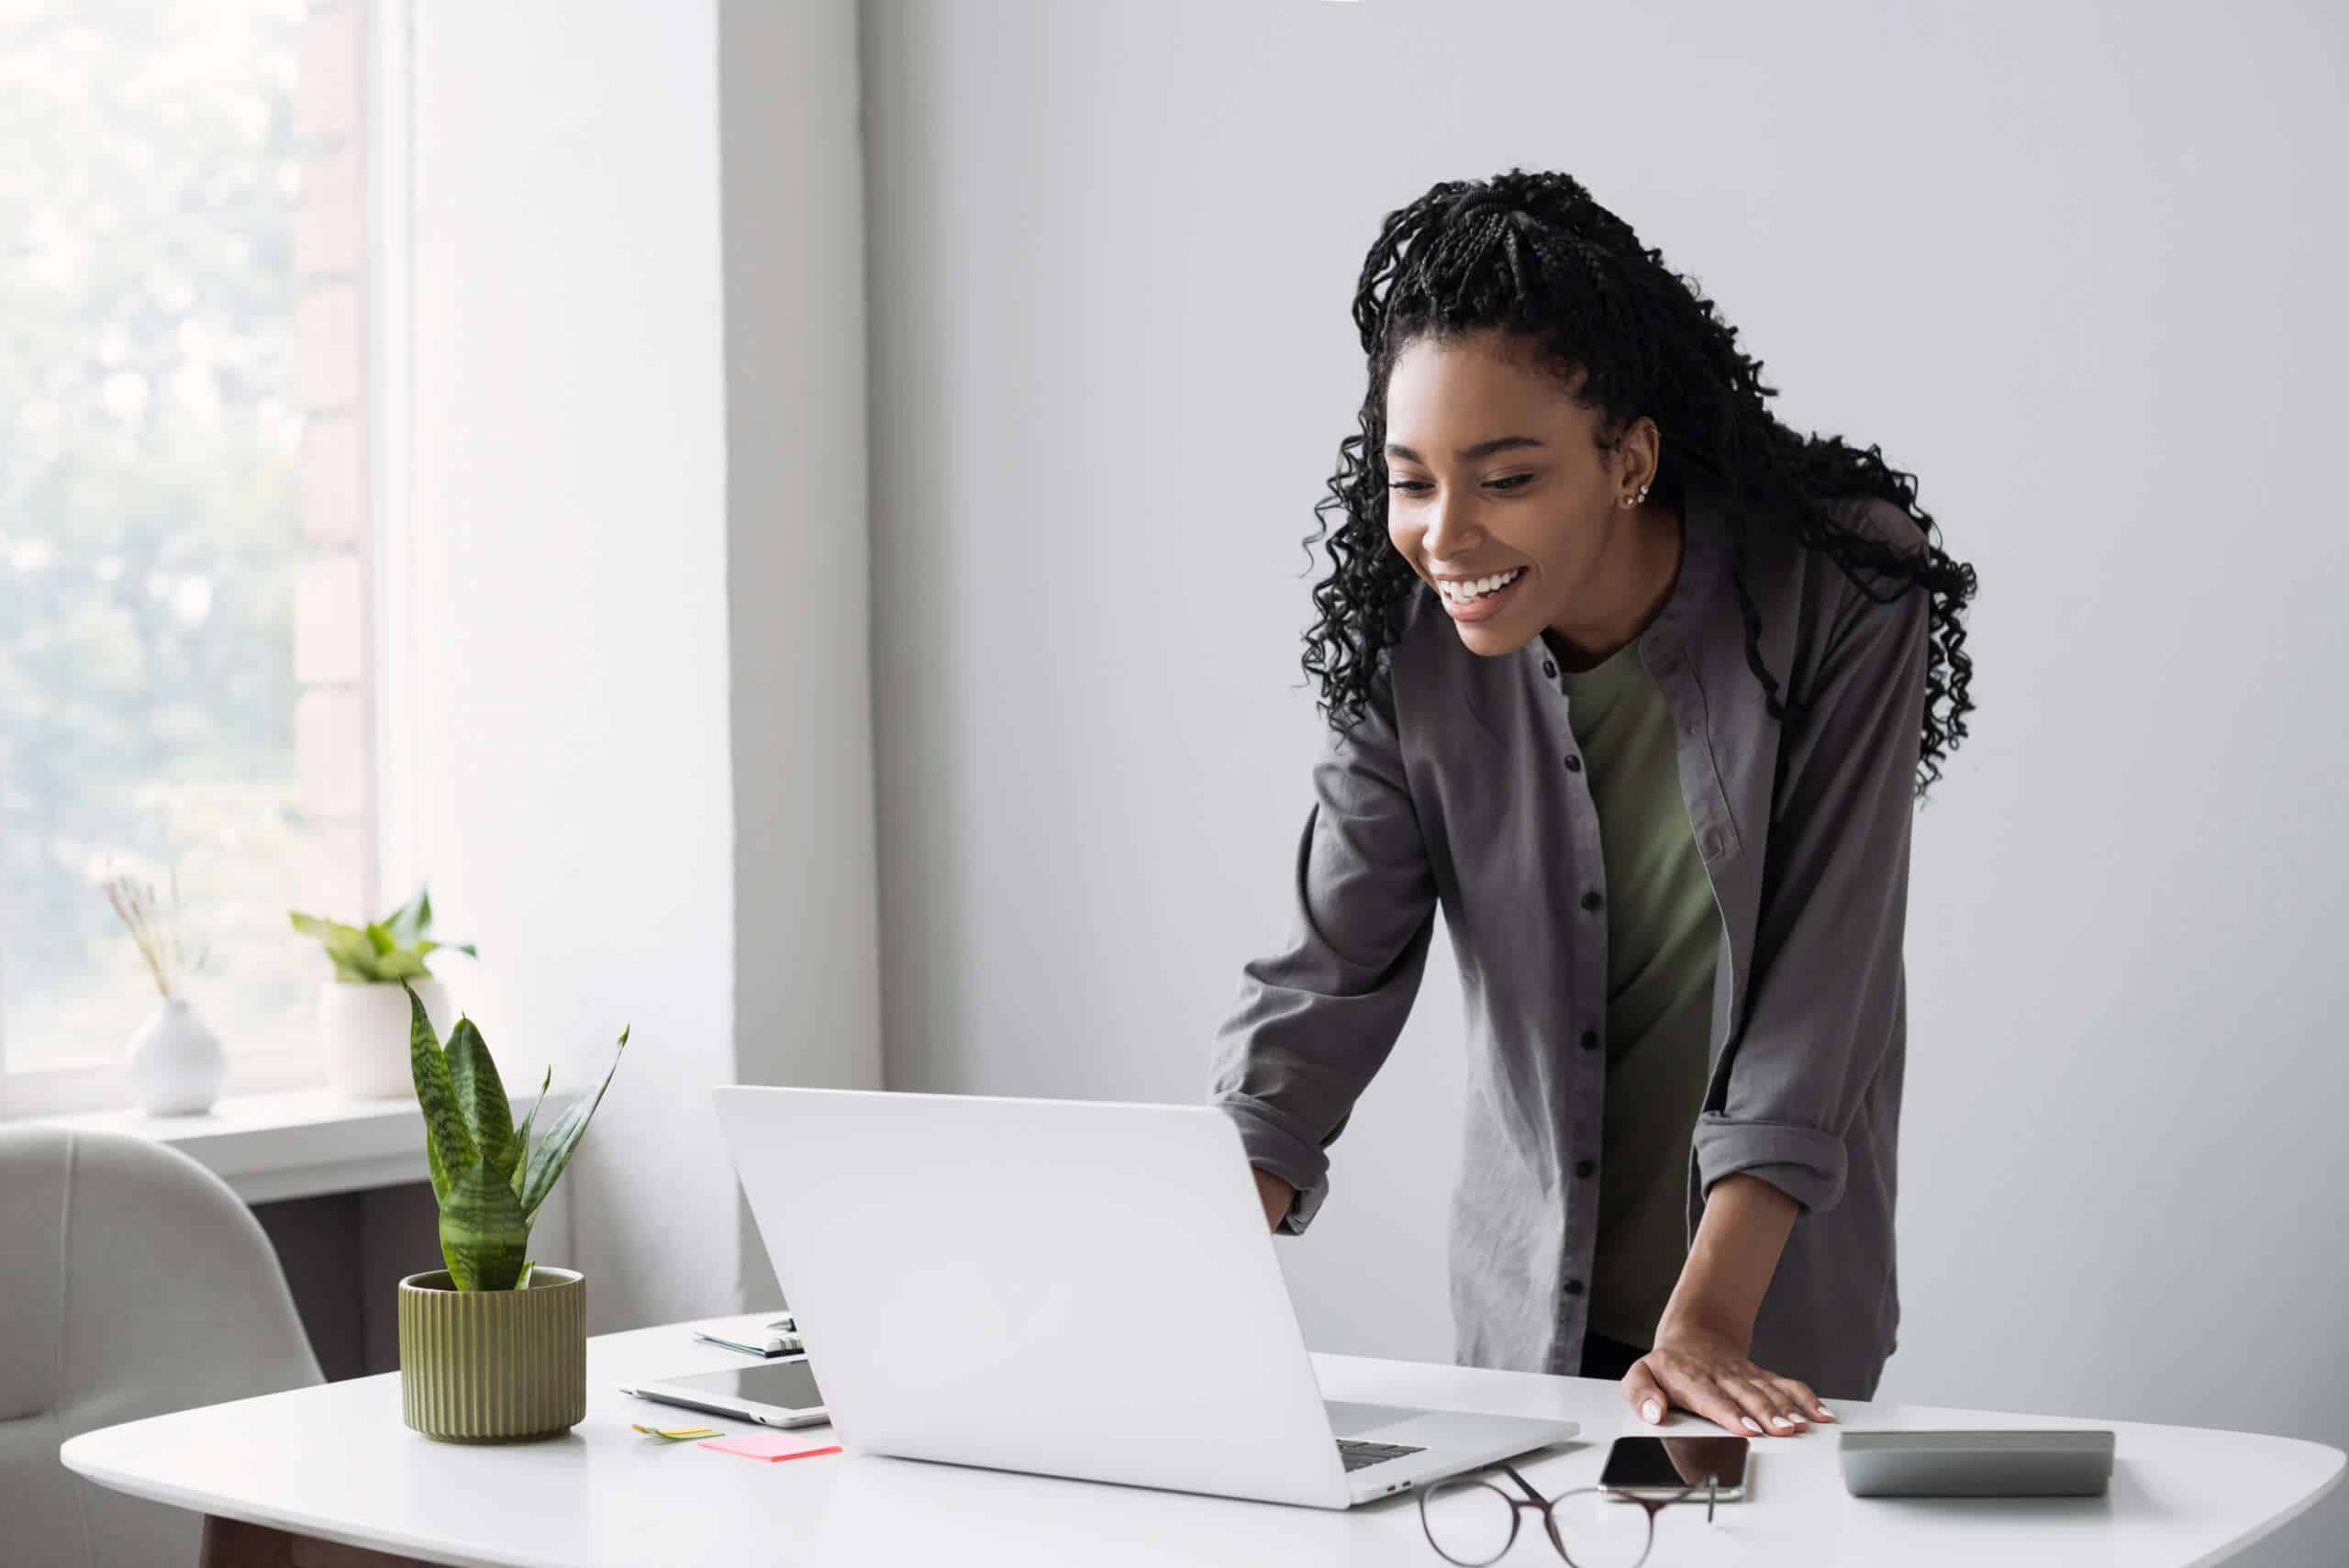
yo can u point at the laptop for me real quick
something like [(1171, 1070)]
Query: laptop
[(1078, 1288)]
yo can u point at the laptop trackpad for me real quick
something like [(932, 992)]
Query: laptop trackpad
[(1351, 1420)]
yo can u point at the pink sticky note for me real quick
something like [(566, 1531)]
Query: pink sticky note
[(767, 1446)]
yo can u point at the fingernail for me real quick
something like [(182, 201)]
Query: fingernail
[(1780, 1421), (1825, 1411), (1751, 1422), (1651, 1411)]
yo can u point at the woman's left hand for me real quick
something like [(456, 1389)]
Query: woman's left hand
[(1707, 1371)]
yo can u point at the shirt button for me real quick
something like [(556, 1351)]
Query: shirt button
[(1584, 1167), (1590, 1039), (1549, 668), (1574, 1287), (1712, 845), (1591, 900), (1689, 727), (1574, 764)]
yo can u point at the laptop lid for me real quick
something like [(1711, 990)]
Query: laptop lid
[(1070, 1287)]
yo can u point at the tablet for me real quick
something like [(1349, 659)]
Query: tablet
[(2034, 1463), (780, 1392)]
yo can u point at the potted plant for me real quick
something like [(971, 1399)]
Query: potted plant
[(176, 1064), (363, 1012), (493, 1347)]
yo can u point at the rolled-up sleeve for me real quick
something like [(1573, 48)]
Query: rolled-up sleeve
[(1315, 1019), (1828, 988)]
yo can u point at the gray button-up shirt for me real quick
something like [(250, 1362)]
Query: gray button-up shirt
[(1452, 792)]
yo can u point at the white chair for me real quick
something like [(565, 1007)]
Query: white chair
[(132, 1283)]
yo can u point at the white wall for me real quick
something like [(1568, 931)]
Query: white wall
[(2066, 270), (807, 954), (645, 804)]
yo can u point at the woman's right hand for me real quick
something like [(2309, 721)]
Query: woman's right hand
[(1277, 1195)]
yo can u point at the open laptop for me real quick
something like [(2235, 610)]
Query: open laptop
[(1064, 1287)]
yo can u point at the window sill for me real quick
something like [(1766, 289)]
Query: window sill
[(297, 1142)]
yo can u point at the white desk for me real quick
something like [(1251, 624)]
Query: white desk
[(336, 1463)]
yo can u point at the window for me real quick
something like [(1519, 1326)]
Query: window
[(187, 519)]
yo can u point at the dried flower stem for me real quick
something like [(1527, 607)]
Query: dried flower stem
[(134, 901)]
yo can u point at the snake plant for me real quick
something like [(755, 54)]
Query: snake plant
[(393, 947), (487, 1178)]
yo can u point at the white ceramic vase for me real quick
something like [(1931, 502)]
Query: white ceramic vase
[(176, 1064), (363, 1034)]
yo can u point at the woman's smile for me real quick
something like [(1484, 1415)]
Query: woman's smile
[(1463, 601)]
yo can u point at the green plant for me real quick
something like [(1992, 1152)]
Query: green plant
[(391, 949), (487, 1178)]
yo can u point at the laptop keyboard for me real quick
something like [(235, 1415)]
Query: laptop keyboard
[(1358, 1454)]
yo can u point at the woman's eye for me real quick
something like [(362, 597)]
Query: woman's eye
[(1507, 481)]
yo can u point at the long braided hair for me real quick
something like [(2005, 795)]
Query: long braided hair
[(1533, 255)]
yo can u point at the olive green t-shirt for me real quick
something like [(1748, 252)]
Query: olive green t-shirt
[(1663, 942)]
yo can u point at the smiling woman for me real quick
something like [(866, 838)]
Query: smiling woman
[(1642, 688), (1520, 532), (1518, 316)]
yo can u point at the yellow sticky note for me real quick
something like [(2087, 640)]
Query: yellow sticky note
[(676, 1434)]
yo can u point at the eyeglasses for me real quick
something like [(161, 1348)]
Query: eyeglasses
[(1471, 1521)]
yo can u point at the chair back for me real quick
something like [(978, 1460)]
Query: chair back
[(132, 1283)]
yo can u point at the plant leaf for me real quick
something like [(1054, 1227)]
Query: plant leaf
[(380, 939), (522, 1280), (411, 920), (483, 1233), (553, 1155), (347, 945), (522, 1136), (448, 1146), (481, 1095), (401, 964)]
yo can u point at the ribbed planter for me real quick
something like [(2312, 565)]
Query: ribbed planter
[(493, 1366)]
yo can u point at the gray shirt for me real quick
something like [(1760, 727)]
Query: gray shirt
[(1456, 791)]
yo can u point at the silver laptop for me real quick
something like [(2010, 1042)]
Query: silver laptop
[(1064, 1287)]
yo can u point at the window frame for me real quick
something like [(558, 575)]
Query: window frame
[(384, 92)]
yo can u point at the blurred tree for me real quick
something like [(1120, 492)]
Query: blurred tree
[(149, 533)]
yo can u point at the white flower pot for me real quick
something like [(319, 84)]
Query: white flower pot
[(176, 1064), (364, 1033)]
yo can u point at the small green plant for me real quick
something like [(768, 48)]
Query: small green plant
[(391, 949), (487, 1178)]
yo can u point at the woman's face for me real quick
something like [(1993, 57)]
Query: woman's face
[(1492, 469)]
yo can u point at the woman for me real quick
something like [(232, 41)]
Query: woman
[(1639, 687)]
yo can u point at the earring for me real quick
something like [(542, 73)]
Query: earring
[(1635, 500)]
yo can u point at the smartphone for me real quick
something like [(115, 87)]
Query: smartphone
[(1665, 1467), (774, 1392)]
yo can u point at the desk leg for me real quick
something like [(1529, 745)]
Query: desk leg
[(232, 1544)]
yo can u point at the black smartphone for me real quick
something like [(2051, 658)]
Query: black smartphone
[(1665, 1467)]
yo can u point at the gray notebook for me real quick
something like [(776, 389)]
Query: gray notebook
[(2043, 1462)]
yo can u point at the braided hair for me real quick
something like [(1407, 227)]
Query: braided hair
[(1534, 256)]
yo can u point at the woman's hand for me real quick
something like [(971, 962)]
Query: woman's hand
[(1707, 1371), (1277, 1195)]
